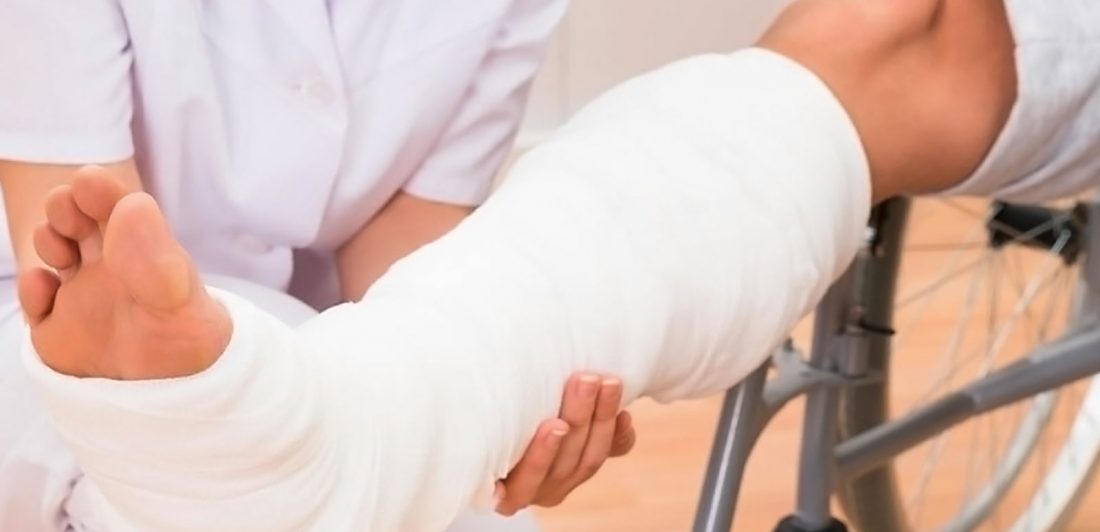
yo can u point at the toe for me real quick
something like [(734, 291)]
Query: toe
[(66, 218), (37, 288), (97, 192), (140, 249), (57, 251)]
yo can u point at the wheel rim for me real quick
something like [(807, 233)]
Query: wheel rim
[(1011, 475), (1074, 466)]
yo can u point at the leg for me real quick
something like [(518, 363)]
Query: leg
[(425, 332), (41, 486), (293, 312)]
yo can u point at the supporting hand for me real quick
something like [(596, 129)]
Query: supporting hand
[(569, 450)]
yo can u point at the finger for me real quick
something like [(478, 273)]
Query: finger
[(596, 448), (602, 433), (625, 435), (522, 485), (578, 407), (499, 493)]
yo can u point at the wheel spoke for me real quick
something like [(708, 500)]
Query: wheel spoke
[(950, 246), (991, 318), (940, 282), (916, 501), (1002, 330), (951, 350)]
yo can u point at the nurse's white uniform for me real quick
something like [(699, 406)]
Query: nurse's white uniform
[(268, 130)]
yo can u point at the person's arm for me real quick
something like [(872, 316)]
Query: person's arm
[(65, 101), (458, 173), (401, 227)]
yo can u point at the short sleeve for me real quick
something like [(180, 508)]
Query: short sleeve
[(66, 94), (478, 139)]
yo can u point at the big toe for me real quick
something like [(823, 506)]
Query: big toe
[(140, 250)]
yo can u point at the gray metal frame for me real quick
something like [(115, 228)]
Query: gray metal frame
[(839, 359)]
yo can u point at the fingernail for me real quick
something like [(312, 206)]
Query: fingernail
[(556, 435), (607, 383), (589, 387), (498, 494)]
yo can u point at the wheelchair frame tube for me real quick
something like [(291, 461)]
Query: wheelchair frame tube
[(834, 351), (1073, 359), (739, 426)]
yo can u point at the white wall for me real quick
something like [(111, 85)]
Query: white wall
[(602, 42)]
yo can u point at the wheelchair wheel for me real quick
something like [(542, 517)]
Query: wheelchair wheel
[(969, 287)]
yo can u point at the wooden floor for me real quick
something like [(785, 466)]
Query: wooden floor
[(656, 487)]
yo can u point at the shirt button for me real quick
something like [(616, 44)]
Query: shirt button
[(253, 244), (314, 91)]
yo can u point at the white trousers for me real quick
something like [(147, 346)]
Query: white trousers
[(41, 487)]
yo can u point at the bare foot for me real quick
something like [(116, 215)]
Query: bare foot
[(126, 301)]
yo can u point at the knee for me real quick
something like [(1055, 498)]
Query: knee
[(856, 30), (928, 83), (865, 50)]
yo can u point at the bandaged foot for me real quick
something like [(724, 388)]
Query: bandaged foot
[(671, 234), (126, 302)]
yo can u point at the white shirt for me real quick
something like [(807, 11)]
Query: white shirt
[(265, 126)]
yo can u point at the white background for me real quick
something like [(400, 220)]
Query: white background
[(602, 42)]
